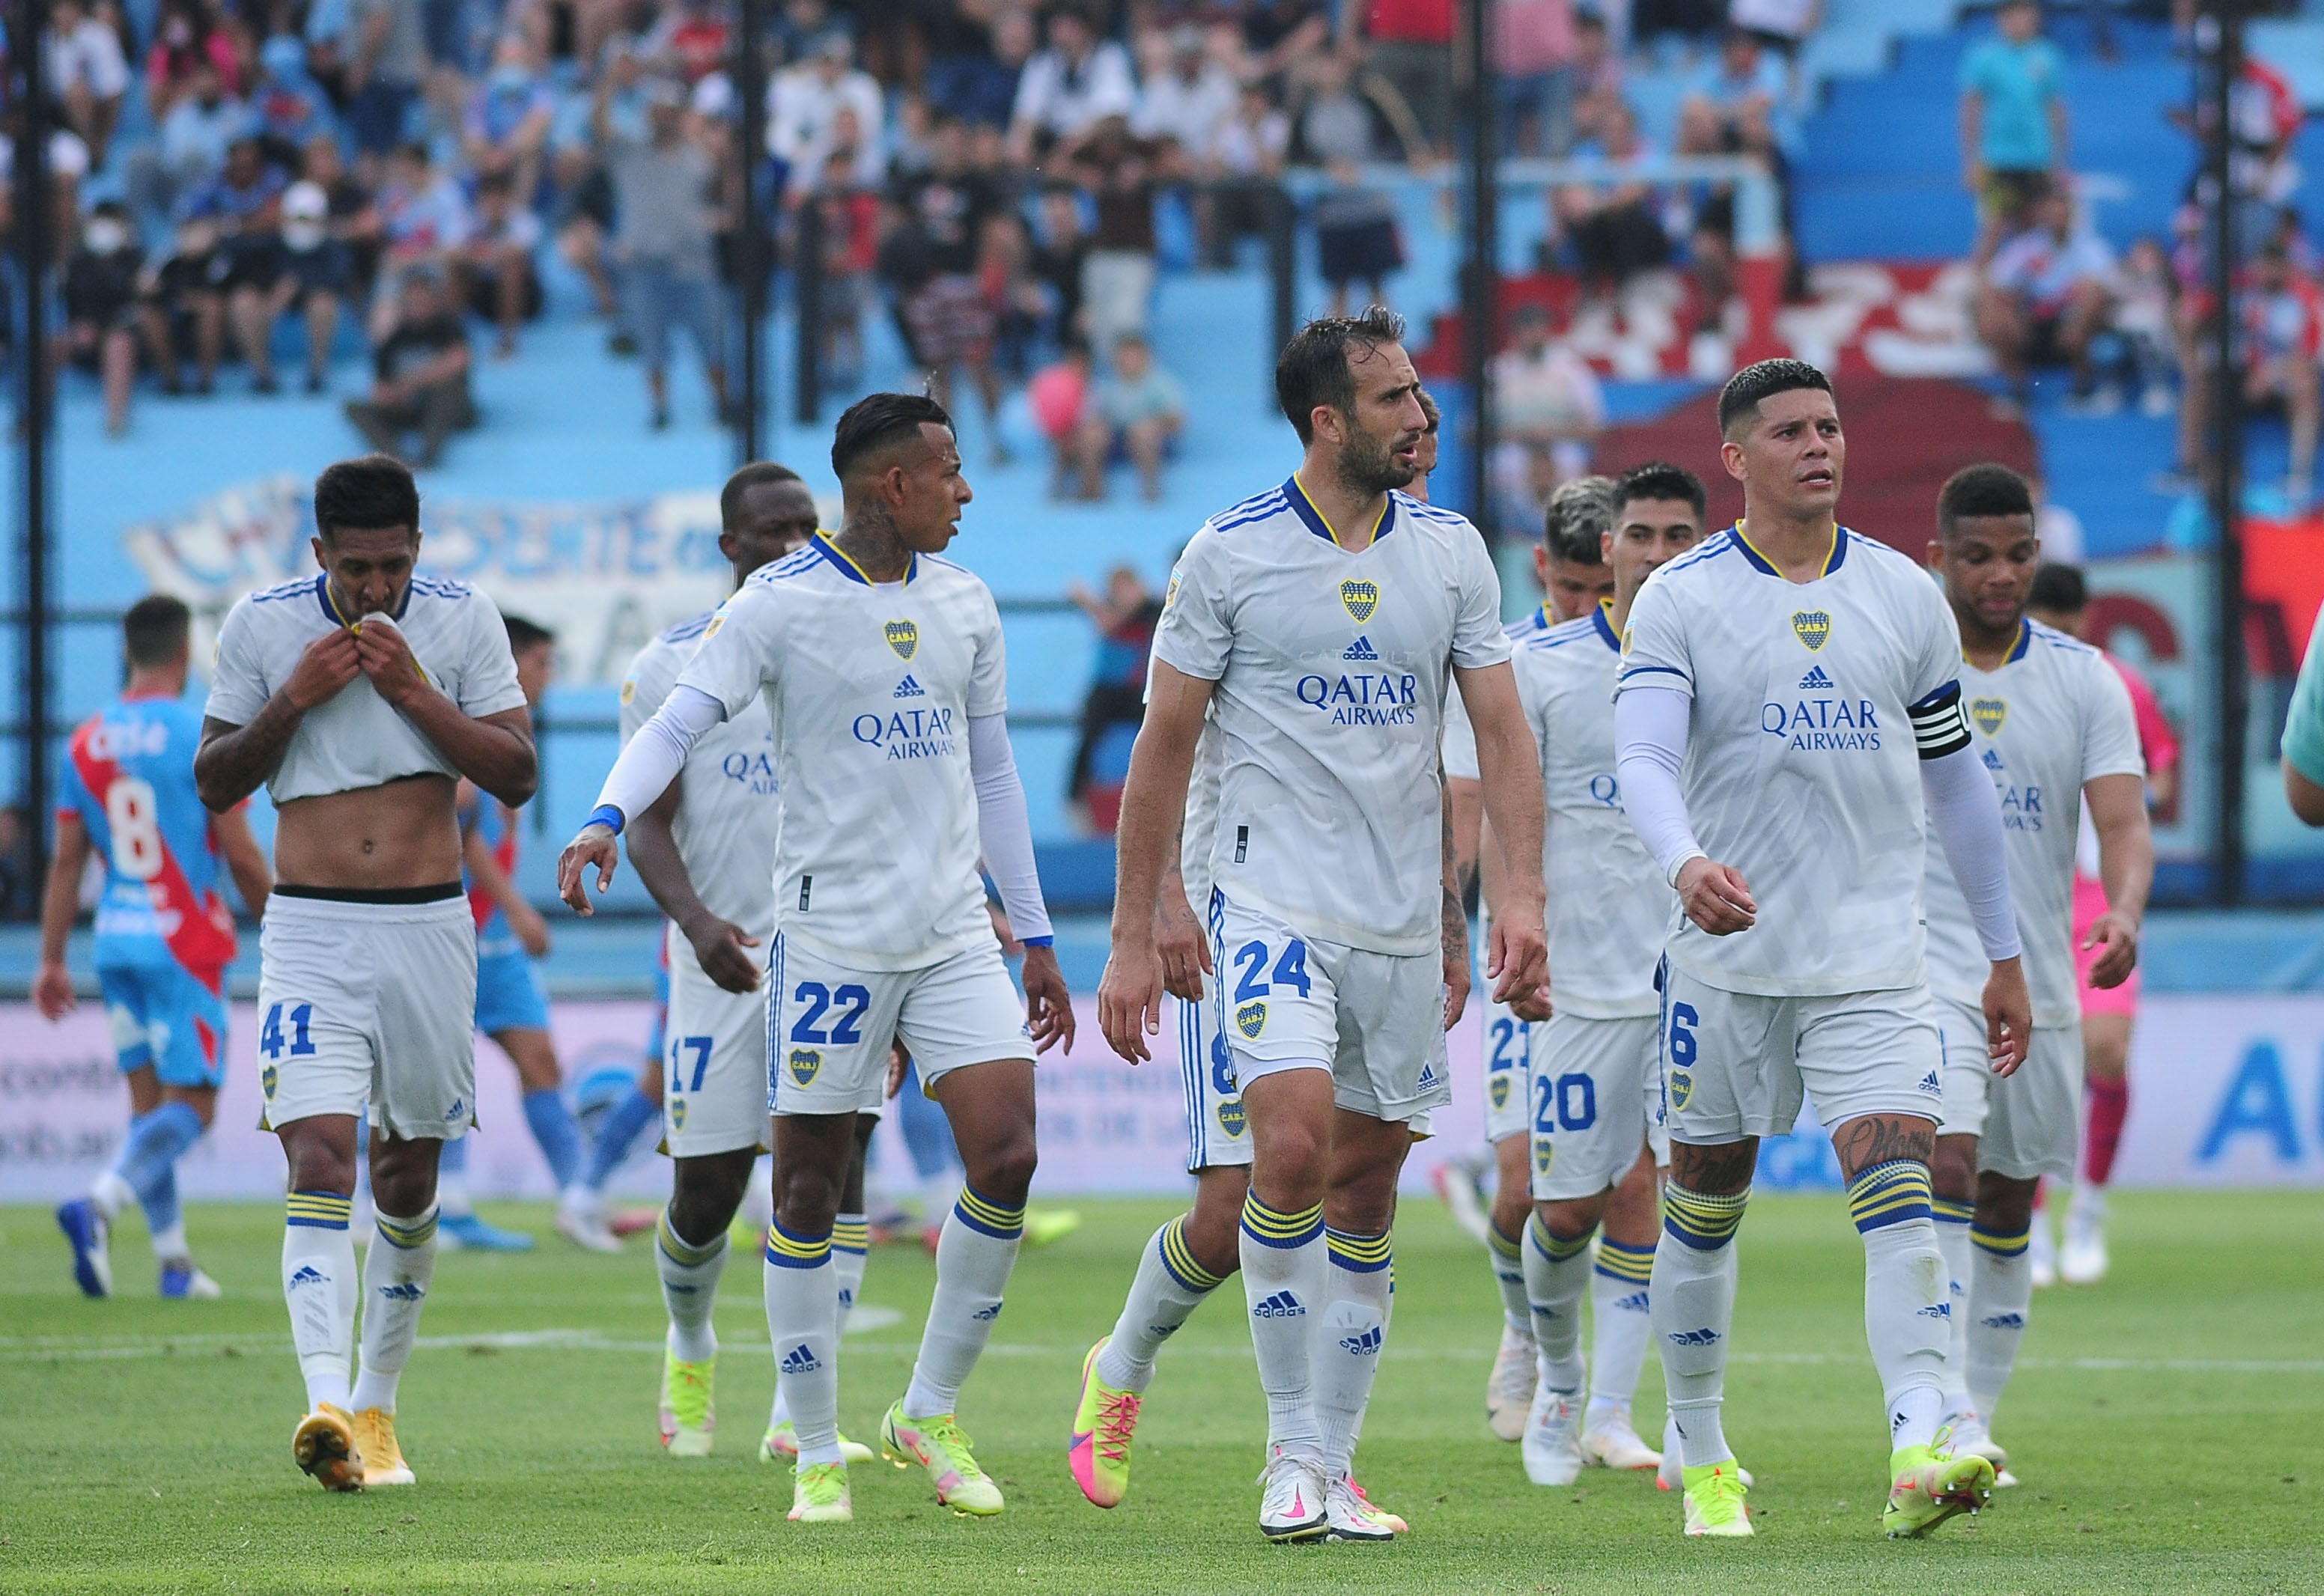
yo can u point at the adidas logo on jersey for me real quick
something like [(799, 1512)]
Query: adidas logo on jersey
[(986, 1316), (800, 1361), (1993, 760), (2004, 1322), (1361, 648), (308, 1275), (1365, 1344), (1815, 678), (406, 1291), (1704, 1337), (1929, 1084), (908, 689), (1281, 1306)]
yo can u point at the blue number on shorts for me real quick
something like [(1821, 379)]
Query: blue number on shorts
[(856, 999), (270, 1033), (1291, 970), (1570, 1117), (1553, 1107), (1252, 956), (701, 1045), (817, 998), (1505, 1031), (1682, 1021), (1223, 1075)]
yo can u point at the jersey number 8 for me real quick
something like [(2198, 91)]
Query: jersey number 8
[(134, 819)]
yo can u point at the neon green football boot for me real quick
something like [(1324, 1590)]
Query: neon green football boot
[(819, 1495), (1099, 1448), (688, 1418), (1714, 1500), (1928, 1485), (939, 1445)]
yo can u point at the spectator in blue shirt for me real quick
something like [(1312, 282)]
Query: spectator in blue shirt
[(1739, 102), (2013, 122), (506, 127), (287, 109)]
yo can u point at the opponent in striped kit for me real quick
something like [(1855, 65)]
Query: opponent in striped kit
[(1570, 562), (881, 670), (1317, 628), (2053, 724), (163, 937), (1789, 693), (359, 698)]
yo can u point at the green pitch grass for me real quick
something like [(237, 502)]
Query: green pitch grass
[(2167, 1425)]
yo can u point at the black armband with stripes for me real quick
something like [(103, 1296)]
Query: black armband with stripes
[(1940, 727)]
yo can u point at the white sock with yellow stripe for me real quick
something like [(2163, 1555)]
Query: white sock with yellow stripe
[(1168, 1288), (689, 1290), (1620, 1326), (1908, 1315), (1693, 1309), (1952, 1221), (851, 1246), (1556, 1276), (1285, 1274), (2000, 1301), (1349, 1339), (398, 1266), (318, 1283), (803, 1322), (975, 1256)]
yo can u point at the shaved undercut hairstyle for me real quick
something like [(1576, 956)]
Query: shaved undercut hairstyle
[(878, 420), (156, 630), (1981, 490), (757, 472), (366, 495), (1313, 368), (1581, 513), (1739, 400), (1659, 479)]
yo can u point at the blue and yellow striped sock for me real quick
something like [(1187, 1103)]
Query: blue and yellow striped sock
[(689, 1272), (1507, 1254), (1620, 1261), (1355, 1332), (1170, 1244), (1890, 1192), (988, 1218), (408, 1234), (2000, 1244), (1704, 1220), (322, 1211), (788, 1250), (1273, 1227), (1285, 1279), (320, 1283), (1169, 1286), (975, 1256)]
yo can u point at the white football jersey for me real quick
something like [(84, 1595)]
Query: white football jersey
[(1812, 704), (1608, 905), (2053, 716), (1331, 667), (356, 739), (1201, 829), (869, 689), (728, 810), (1459, 736)]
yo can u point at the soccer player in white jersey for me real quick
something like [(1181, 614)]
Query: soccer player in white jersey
[(1789, 694), (2054, 725), (705, 851), (1593, 1095), (1570, 564), (359, 698), (1320, 621), (881, 670)]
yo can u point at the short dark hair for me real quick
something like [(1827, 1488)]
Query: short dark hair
[(877, 420), (365, 495), (756, 473), (1433, 411), (1313, 370), (1581, 514), (156, 629), (2060, 589), (1659, 479), (1986, 489), (1763, 380), (524, 634)]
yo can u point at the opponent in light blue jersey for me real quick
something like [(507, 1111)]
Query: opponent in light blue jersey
[(164, 936), (512, 1002)]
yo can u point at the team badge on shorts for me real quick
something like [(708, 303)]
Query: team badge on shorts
[(1988, 714), (267, 1079), (677, 1114), (803, 1062), (1682, 1087), (904, 637), (1545, 1154), (1251, 1020), (1361, 599), (1811, 627), (1501, 1090), (1232, 1119)]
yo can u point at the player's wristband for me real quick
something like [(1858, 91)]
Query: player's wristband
[(608, 816), (1038, 941)]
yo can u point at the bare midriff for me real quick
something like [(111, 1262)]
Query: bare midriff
[(400, 833)]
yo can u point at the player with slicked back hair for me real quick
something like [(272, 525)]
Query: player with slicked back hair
[(1790, 694), (881, 668), (360, 696)]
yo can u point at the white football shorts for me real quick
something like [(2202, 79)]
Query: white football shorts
[(1507, 1045), (1596, 1099), (1217, 1134), (829, 1025), (2028, 1125), (1740, 1063), (1375, 1020), (366, 1003)]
